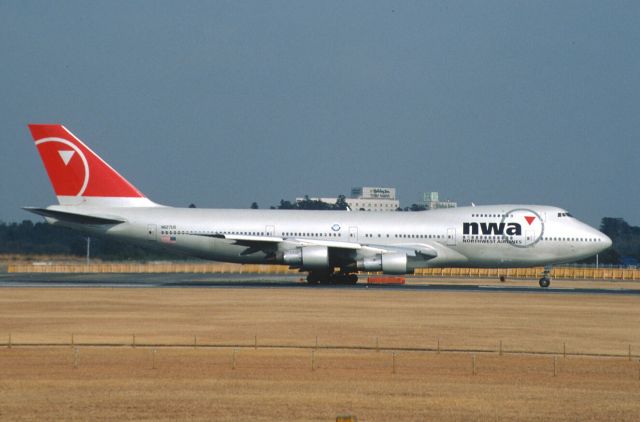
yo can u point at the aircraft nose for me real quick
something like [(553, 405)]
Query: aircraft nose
[(606, 241)]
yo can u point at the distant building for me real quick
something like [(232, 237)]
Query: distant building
[(432, 201), (367, 198), (366, 192)]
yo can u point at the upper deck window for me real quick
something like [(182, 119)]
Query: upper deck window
[(564, 214)]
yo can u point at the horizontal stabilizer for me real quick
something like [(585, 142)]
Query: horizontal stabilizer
[(71, 217)]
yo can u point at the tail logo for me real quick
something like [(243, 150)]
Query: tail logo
[(67, 155)]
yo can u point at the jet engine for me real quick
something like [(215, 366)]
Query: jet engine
[(389, 263), (308, 258)]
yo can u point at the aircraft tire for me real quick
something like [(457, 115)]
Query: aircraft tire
[(343, 278), (313, 278), (544, 282), (338, 279)]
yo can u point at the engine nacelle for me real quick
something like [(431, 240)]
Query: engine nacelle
[(308, 258), (389, 263)]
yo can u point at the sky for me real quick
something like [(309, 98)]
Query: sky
[(223, 103)]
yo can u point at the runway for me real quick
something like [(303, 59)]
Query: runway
[(261, 281)]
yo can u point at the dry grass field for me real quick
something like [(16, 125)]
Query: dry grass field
[(595, 381)]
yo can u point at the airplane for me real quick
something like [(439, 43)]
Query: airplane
[(331, 246)]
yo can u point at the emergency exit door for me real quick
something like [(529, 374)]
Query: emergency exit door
[(151, 232)]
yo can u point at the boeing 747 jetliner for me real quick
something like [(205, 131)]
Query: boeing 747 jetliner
[(332, 246)]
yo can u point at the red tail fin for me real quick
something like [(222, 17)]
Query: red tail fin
[(75, 171)]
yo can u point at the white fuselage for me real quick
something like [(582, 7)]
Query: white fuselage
[(481, 236)]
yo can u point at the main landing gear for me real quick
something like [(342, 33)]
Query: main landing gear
[(316, 277), (546, 279)]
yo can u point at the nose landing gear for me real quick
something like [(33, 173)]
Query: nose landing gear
[(546, 279)]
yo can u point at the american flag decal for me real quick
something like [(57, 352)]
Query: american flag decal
[(168, 239)]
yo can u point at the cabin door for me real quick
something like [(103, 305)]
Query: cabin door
[(151, 232), (451, 237), (269, 230), (353, 233)]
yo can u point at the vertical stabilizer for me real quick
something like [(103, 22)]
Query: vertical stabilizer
[(78, 175)]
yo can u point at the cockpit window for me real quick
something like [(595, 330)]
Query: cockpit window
[(564, 214)]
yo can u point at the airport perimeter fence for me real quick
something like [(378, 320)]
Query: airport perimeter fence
[(76, 343), (582, 273)]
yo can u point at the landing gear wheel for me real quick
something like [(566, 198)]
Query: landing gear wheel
[(503, 279), (343, 278), (546, 279), (544, 282), (313, 278), (339, 278)]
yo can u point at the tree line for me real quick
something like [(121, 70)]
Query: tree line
[(28, 238), (626, 242), (315, 204)]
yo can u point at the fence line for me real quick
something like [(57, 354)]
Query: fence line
[(624, 354), (534, 272), (215, 268), (224, 268)]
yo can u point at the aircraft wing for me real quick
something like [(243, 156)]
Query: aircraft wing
[(247, 239), (250, 240), (418, 250)]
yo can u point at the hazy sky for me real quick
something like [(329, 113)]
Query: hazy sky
[(225, 103)]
